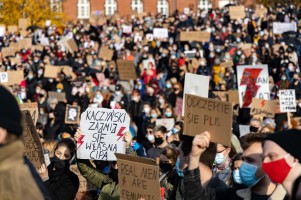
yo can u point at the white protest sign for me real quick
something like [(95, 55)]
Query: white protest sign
[(244, 130), (103, 131), (197, 85), (253, 82), (168, 123), (281, 27), (287, 101), (3, 77), (2, 31), (160, 32), (126, 29)]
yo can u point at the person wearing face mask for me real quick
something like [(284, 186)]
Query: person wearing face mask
[(177, 93), (251, 173), (118, 96), (31, 84), (168, 112), (60, 181), (160, 133), (283, 83), (296, 85), (255, 125)]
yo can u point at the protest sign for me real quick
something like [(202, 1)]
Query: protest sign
[(11, 77), (281, 27), (253, 82), (168, 123), (263, 108), (44, 41), (25, 43), (71, 45), (106, 53), (202, 114), (138, 177), (51, 71), (103, 131), (197, 85), (23, 23), (15, 60), (126, 70), (198, 36), (126, 29), (33, 110), (160, 33), (2, 30), (260, 11), (72, 114), (244, 130), (32, 145), (287, 101), (221, 95), (149, 37), (227, 64), (237, 12), (190, 54), (60, 96), (12, 28), (84, 185), (7, 51), (233, 97)]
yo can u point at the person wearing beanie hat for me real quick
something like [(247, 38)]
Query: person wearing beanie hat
[(282, 157), (16, 179)]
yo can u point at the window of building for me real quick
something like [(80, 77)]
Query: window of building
[(83, 9), (137, 5), (110, 7), (163, 7), (205, 5)]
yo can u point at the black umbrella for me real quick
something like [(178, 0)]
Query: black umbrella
[(32, 28)]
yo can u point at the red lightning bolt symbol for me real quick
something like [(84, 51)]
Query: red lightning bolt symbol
[(262, 103), (80, 141), (249, 78), (120, 133)]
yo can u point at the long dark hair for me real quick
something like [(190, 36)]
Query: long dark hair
[(66, 142)]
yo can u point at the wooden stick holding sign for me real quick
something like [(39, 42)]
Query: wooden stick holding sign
[(72, 114), (287, 101)]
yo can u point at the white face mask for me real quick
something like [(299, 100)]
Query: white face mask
[(150, 138)]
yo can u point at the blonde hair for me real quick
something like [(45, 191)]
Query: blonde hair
[(49, 145)]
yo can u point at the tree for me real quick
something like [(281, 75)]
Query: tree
[(38, 11)]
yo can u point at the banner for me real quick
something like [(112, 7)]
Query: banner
[(160, 33), (168, 123), (103, 133), (32, 145), (263, 108), (33, 110), (287, 101), (198, 36), (202, 114), (281, 27), (72, 114), (126, 70), (253, 82), (138, 178)]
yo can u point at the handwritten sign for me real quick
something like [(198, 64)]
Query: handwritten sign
[(23, 23), (138, 177), (12, 28), (198, 36), (72, 114), (263, 108), (202, 114), (71, 45), (11, 77), (126, 70), (25, 43), (287, 101), (32, 145), (253, 82), (160, 32), (237, 12), (84, 185), (281, 27), (104, 129), (106, 53), (33, 110), (60, 96), (168, 123)]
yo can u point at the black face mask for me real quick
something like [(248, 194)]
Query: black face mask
[(158, 141), (114, 175), (253, 129), (165, 167), (177, 143), (58, 163)]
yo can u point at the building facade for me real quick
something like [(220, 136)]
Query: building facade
[(82, 9)]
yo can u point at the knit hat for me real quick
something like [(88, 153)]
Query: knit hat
[(289, 141), (10, 114)]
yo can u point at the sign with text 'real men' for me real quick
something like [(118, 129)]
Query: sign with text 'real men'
[(138, 178), (287, 101), (202, 114), (253, 82), (103, 131)]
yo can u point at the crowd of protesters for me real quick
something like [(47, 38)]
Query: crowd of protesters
[(264, 164)]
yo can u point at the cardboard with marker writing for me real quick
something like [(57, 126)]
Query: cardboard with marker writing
[(203, 114), (71, 45), (237, 12), (260, 11), (106, 53), (33, 110), (72, 114), (287, 100), (7, 51), (168, 123), (198, 36), (32, 145), (51, 71), (60, 96), (138, 177), (126, 70), (263, 107), (11, 77), (25, 43), (233, 96)]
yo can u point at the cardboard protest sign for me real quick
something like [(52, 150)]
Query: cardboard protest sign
[(198, 36), (233, 97), (71, 45), (51, 71), (260, 11), (11, 77), (263, 107), (253, 82), (221, 95), (126, 70), (68, 71), (33, 110), (7, 51), (72, 114), (103, 129), (25, 43), (12, 28), (202, 114), (227, 64), (168, 123), (287, 101), (138, 177), (281, 27), (15, 60), (60, 96), (23, 23), (160, 33), (192, 86), (106, 53), (84, 185), (32, 145), (237, 12), (244, 130)]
